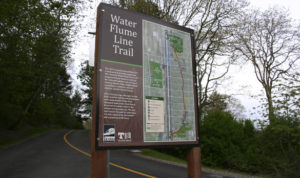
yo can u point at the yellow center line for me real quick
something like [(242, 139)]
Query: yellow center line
[(74, 147), (113, 164)]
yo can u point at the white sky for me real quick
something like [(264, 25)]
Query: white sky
[(242, 83), (291, 5)]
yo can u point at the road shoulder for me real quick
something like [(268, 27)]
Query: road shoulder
[(221, 173)]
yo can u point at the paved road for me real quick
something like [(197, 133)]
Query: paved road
[(49, 156)]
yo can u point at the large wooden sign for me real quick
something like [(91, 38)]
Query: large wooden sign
[(146, 87)]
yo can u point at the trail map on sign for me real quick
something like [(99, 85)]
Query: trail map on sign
[(169, 110)]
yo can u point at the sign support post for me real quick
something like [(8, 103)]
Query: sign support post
[(194, 163), (99, 158)]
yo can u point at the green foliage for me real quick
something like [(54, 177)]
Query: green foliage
[(223, 140), (225, 143), (287, 100), (279, 148), (86, 78), (236, 145), (151, 8), (142, 6), (279, 141), (76, 103), (216, 101), (34, 51)]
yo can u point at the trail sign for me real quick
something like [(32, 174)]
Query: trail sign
[(146, 86)]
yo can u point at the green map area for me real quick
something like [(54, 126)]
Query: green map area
[(156, 74), (176, 42), (168, 74)]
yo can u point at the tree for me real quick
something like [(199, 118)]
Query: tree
[(141, 6), (216, 101), (287, 99), (270, 41), (76, 103), (15, 44), (166, 10), (224, 103), (34, 51), (86, 78), (213, 23)]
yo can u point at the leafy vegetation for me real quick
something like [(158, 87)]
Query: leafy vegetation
[(86, 78), (237, 145), (35, 45)]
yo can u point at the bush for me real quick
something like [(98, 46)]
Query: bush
[(279, 148), (225, 141)]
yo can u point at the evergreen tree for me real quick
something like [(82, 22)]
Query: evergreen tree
[(34, 51), (86, 78)]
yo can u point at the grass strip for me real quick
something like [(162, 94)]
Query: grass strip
[(159, 155), (166, 157)]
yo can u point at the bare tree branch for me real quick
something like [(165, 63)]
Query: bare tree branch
[(269, 40)]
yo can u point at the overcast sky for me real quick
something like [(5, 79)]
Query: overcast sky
[(242, 84), (292, 5)]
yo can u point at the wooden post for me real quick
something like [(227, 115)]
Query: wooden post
[(194, 163), (99, 158), (99, 164)]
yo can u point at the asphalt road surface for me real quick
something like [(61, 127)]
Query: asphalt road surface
[(50, 156)]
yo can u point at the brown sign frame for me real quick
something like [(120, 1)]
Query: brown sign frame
[(107, 56)]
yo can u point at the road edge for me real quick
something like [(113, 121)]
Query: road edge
[(207, 170), (18, 142)]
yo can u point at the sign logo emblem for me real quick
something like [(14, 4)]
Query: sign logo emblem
[(124, 136), (109, 133)]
